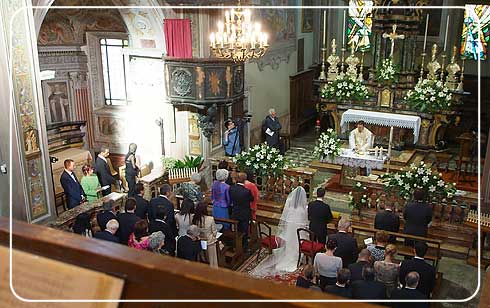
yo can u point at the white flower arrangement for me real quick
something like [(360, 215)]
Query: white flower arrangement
[(262, 160), (405, 183), (429, 96), (328, 145), (345, 88), (387, 72), (358, 198)]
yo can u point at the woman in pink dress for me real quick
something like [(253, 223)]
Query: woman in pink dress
[(250, 185), (139, 239)]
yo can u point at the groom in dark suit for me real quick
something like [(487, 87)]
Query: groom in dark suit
[(103, 171), (73, 190), (241, 199), (319, 215)]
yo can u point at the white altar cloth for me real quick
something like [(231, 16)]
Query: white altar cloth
[(349, 158), (382, 119)]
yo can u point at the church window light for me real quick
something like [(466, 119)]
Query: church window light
[(114, 70), (476, 32), (360, 23)]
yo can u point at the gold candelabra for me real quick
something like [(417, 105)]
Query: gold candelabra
[(422, 66), (323, 76), (342, 62), (443, 66), (361, 68), (461, 78)]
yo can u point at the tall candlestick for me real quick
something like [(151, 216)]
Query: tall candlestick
[(445, 36), (426, 29), (324, 28), (391, 140), (343, 32)]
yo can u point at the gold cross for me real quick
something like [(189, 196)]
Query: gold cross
[(392, 37)]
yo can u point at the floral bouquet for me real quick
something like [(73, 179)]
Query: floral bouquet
[(429, 96), (328, 145), (262, 160), (345, 88), (168, 162), (359, 197), (419, 176), (387, 73)]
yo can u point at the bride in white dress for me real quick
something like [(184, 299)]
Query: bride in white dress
[(294, 216)]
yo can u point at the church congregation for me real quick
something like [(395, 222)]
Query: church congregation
[(246, 150)]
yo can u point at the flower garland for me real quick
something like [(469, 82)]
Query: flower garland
[(328, 145), (262, 160), (429, 96), (345, 88), (419, 176), (387, 73)]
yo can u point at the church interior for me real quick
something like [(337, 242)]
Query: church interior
[(123, 107)]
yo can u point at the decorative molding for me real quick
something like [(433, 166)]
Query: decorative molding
[(78, 79)]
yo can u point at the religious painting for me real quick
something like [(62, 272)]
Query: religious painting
[(31, 143), (194, 135), (307, 17), (476, 32), (57, 100), (111, 127), (38, 206), (360, 22)]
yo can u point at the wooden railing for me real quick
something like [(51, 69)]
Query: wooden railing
[(150, 276)]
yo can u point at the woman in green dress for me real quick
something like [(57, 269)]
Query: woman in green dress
[(90, 183)]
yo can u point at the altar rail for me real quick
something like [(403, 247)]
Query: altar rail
[(142, 271)]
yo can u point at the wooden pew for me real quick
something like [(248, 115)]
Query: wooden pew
[(230, 255), (433, 254)]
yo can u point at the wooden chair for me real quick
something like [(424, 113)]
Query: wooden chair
[(308, 246), (467, 158), (267, 240)]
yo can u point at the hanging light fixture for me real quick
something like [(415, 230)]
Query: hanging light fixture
[(238, 38)]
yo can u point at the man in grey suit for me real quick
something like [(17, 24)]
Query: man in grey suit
[(271, 127), (103, 171)]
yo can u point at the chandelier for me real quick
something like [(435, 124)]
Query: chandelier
[(238, 38)]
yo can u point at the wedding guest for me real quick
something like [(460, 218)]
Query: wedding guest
[(341, 287), (417, 215), (127, 220), (426, 271), (160, 224), (320, 215), (103, 171), (208, 232), (141, 203), (250, 185), (241, 199), (106, 214), (367, 287), (327, 265), (82, 225), (163, 200), (139, 238), (132, 170), (192, 190), (109, 233), (305, 279), (184, 216), (387, 220), (90, 183), (408, 293), (231, 139), (363, 260), (156, 242), (71, 187), (271, 128), (346, 244), (220, 196), (378, 250), (189, 246), (223, 164), (387, 270)]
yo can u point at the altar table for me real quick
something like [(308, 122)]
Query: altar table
[(382, 119)]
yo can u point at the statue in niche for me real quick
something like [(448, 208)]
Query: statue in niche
[(452, 69), (433, 65)]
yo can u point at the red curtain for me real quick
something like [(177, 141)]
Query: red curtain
[(178, 37)]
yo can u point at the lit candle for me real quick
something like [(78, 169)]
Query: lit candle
[(212, 40), (391, 140), (343, 32), (324, 28), (426, 28), (265, 39), (227, 16), (445, 36), (220, 26)]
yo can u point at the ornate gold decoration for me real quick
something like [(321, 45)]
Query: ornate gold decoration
[(214, 83), (333, 60), (452, 69), (352, 62), (392, 36), (385, 98), (433, 65)]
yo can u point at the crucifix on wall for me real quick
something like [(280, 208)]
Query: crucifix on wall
[(392, 36)]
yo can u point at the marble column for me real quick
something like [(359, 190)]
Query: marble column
[(83, 108)]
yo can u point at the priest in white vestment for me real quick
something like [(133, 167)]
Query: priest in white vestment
[(361, 138)]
